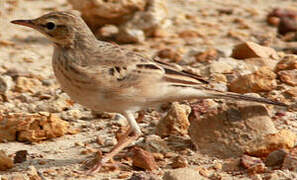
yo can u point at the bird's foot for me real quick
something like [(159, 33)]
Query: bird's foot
[(95, 164), (95, 168)]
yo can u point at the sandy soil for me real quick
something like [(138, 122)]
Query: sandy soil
[(28, 51)]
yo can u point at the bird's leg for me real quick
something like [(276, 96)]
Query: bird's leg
[(129, 137)]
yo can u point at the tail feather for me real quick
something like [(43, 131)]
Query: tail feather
[(228, 95)]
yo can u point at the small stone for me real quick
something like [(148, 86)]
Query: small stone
[(272, 176), (289, 37), (79, 144), (182, 174), (108, 31), (252, 50), (274, 21), (276, 158), (288, 76), (225, 11), (5, 161), (255, 176), (179, 162), (58, 104), (6, 84), (223, 65), (110, 142), (232, 164), (252, 164), (290, 161), (71, 115), (143, 159), (144, 176), (204, 172), (262, 146), (292, 92), (158, 156), (262, 80), (287, 25), (288, 62), (6, 43), (25, 84), (253, 64), (134, 19), (176, 121), (99, 140), (207, 55), (218, 166), (278, 14), (170, 54), (228, 132), (26, 97), (124, 175), (161, 33), (20, 156), (156, 144), (32, 127), (88, 151), (42, 162), (189, 34), (170, 154), (130, 36), (219, 78), (99, 12), (33, 174), (17, 177), (48, 82)]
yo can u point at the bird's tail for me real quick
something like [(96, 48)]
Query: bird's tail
[(235, 96)]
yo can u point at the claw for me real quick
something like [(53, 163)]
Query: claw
[(94, 169), (94, 164)]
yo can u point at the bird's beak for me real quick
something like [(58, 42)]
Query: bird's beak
[(28, 23)]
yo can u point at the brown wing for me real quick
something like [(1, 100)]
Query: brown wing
[(127, 68), (174, 75)]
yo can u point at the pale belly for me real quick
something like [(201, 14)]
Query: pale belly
[(90, 96)]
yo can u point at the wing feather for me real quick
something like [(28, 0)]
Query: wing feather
[(130, 68)]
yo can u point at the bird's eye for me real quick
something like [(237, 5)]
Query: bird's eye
[(50, 25)]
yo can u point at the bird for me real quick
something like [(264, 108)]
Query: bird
[(106, 77)]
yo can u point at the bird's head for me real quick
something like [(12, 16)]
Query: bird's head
[(60, 27)]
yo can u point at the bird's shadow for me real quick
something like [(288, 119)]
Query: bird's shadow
[(31, 40)]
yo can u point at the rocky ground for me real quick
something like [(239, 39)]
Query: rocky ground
[(238, 45)]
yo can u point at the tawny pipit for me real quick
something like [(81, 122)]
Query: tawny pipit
[(105, 77)]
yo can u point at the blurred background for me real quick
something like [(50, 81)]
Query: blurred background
[(243, 46)]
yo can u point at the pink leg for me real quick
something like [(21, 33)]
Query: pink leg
[(129, 137)]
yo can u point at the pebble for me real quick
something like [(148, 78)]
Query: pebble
[(20, 156), (227, 132), (290, 161), (276, 157), (143, 159), (252, 164), (175, 122), (183, 174), (5, 161), (288, 76), (263, 146), (179, 162), (253, 50), (262, 80)]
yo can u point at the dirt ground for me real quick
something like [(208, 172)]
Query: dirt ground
[(27, 52)]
